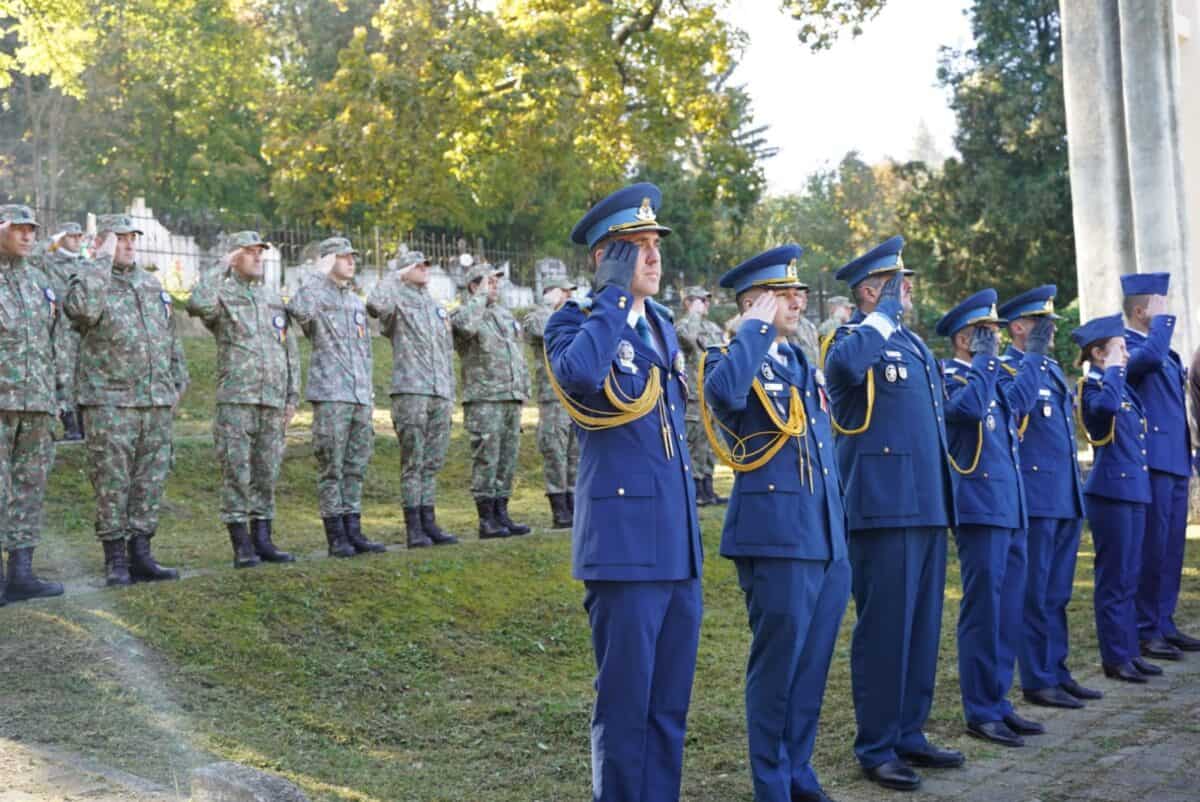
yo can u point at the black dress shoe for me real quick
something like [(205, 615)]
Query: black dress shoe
[(995, 731), (1142, 667), (1159, 648), (894, 774), (1079, 692), (1125, 673), (1023, 726), (932, 757), (1184, 642), (1052, 697), (818, 795)]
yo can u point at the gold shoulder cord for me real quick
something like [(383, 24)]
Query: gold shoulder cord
[(625, 409), (1112, 430), (866, 424), (978, 443), (1024, 421)]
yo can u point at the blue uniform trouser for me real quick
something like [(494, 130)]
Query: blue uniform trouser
[(795, 608), (1053, 544), (992, 564), (1117, 529), (898, 580), (645, 636), (1162, 555)]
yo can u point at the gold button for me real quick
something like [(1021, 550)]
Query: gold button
[(826, 470), (1122, 474), (820, 444), (685, 468), (762, 330), (1035, 467), (1145, 468), (771, 488), (621, 302), (672, 407), (985, 475), (887, 450), (620, 491)]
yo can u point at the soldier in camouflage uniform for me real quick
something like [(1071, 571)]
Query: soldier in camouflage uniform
[(696, 335), (29, 320), (495, 383), (422, 390), (62, 260), (806, 337), (130, 377), (258, 389), (334, 318), (555, 432)]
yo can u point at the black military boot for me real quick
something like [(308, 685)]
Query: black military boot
[(512, 526), (142, 565), (116, 564), (414, 529), (489, 527), (571, 505), (559, 511), (439, 536), (2, 601), (713, 498), (244, 555), (701, 493), (354, 534), (72, 431), (22, 583), (335, 535), (264, 547)]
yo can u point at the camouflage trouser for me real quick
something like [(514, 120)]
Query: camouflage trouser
[(422, 425), (67, 352), (343, 438), (249, 440), (26, 456), (495, 429), (700, 449), (559, 446), (129, 457)]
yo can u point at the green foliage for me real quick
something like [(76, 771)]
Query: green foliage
[(823, 21), (46, 38)]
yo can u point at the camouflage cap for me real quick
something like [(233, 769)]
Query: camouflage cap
[(17, 214), (696, 292), (246, 239), (67, 229), (558, 284), (838, 300), (411, 258), (480, 270), (117, 224), (338, 246)]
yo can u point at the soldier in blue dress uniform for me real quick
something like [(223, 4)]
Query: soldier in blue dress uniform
[(1116, 492), (982, 417), (1159, 378), (615, 364), (785, 528), (1054, 500), (885, 387)]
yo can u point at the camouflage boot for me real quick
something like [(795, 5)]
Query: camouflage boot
[(439, 536), (260, 531), (22, 582), (489, 527), (116, 564), (335, 535), (415, 531), (512, 526), (559, 511), (244, 555), (353, 523), (142, 565)]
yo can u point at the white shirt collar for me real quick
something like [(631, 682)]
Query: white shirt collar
[(775, 353), (632, 318)]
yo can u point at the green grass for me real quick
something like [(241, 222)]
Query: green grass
[(460, 673)]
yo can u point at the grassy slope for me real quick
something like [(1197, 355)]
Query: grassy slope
[(463, 673)]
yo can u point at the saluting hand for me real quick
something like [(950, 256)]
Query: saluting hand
[(983, 341), (617, 265), (1040, 336), (1115, 354), (763, 309), (1156, 305)]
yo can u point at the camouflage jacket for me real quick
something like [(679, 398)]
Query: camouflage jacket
[(335, 320), (258, 361), (535, 327), (696, 335), (60, 266), (492, 350), (808, 341), (130, 354), (29, 321), (419, 328)]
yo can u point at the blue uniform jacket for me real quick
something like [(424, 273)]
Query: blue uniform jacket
[(979, 407), (895, 473), (635, 505), (1049, 450), (1120, 470), (1159, 378), (792, 506)]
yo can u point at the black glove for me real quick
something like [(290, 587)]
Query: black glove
[(889, 297), (1038, 341), (983, 341), (617, 265)]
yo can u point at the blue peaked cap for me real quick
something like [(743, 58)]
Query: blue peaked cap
[(775, 268), (884, 258), (629, 209), (1037, 302), (1100, 328), (1145, 283), (979, 308)]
